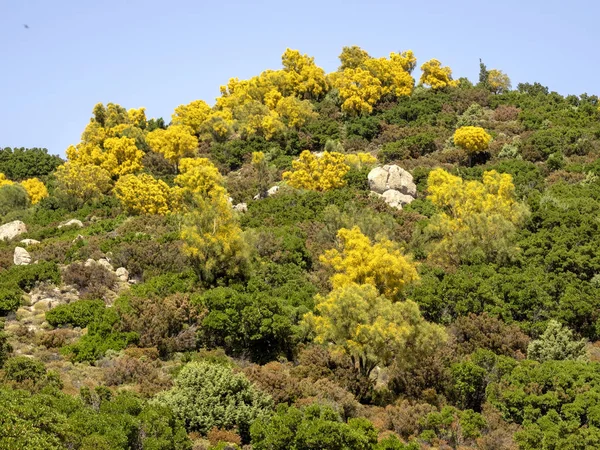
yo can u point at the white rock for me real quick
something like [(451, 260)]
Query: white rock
[(272, 191), (21, 257), (29, 242), (106, 264), (90, 262), (394, 177), (72, 222), (78, 238), (241, 207), (12, 230), (396, 199), (122, 274)]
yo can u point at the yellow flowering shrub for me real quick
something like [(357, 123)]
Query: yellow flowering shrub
[(174, 143), (359, 90), (472, 139), (436, 76), (82, 181), (317, 173), (198, 175), (359, 261), (303, 76), (193, 115), (474, 216), (498, 81), (144, 194), (121, 156), (360, 160), (36, 190), (4, 181), (137, 117)]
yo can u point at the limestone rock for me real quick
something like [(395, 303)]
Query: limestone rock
[(90, 262), (396, 199), (241, 207), (71, 223), (394, 177), (272, 191), (21, 257), (106, 264), (122, 273), (29, 242), (12, 230)]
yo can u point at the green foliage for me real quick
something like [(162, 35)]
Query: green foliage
[(208, 395), (21, 163), (314, 427), (77, 314), (556, 402), (452, 425), (557, 343), (12, 197), (26, 277), (5, 347), (10, 298), (21, 368)]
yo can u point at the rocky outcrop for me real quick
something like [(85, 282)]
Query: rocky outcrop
[(12, 229), (241, 207), (29, 242), (72, 223), (123, 274), (21, 257), (271, 191), (394, 184), (393, 177)]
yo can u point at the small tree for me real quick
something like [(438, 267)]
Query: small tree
[(318, 173), (557, 343)]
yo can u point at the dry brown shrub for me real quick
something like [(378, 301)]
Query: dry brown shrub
[(216, 435)]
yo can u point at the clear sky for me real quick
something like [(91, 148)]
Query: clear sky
[(160, 54)]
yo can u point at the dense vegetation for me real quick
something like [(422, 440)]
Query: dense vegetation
[(313, 314)]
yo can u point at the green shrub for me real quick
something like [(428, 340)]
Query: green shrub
[(208, 395), (76, 314), (10, 298), (26, 277), (21, 368), (5, 347), (21, 163), (12, 197)]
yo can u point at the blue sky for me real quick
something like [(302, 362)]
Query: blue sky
[(159, 54)]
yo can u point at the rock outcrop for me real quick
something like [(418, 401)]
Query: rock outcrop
[(394, 184), (29, 242), (12, 229), (72, 223), (123, 274), (241, 207), (21, 257)]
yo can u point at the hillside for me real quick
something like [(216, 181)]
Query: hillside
[(352, 260)]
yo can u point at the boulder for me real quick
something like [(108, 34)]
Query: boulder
[(106, 264), (29, 242), (272, 191), (12, 230), (21, 257), (72, 223), (241, 207), (90, 262), (396, 199), (393, 177), (122, 273)]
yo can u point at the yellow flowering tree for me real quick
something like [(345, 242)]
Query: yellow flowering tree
[(121, 156), (198, 176), (353, 57), (472, 139), (477, 219), (213, 239), (359, 261), (174, 143), (498, 81), (83, 182), (144, 194), (371, 329), (36, 190), (317, 173), (303, 76), (359, 90), (436, 76), (193, 115)]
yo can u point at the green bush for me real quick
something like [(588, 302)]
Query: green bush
[(21, 163), (5, 347), (208, 395), (76, 314), (10, 298), (26, 277), (21, 368), (12, 197)]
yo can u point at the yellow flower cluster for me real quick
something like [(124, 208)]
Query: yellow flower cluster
[(198, 176), (84, 182), (143, 194), (381, 265), (174, 143), (4, 181), (360, 160), (36, 190), (318, 173), (472, 139), (436, 76)]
